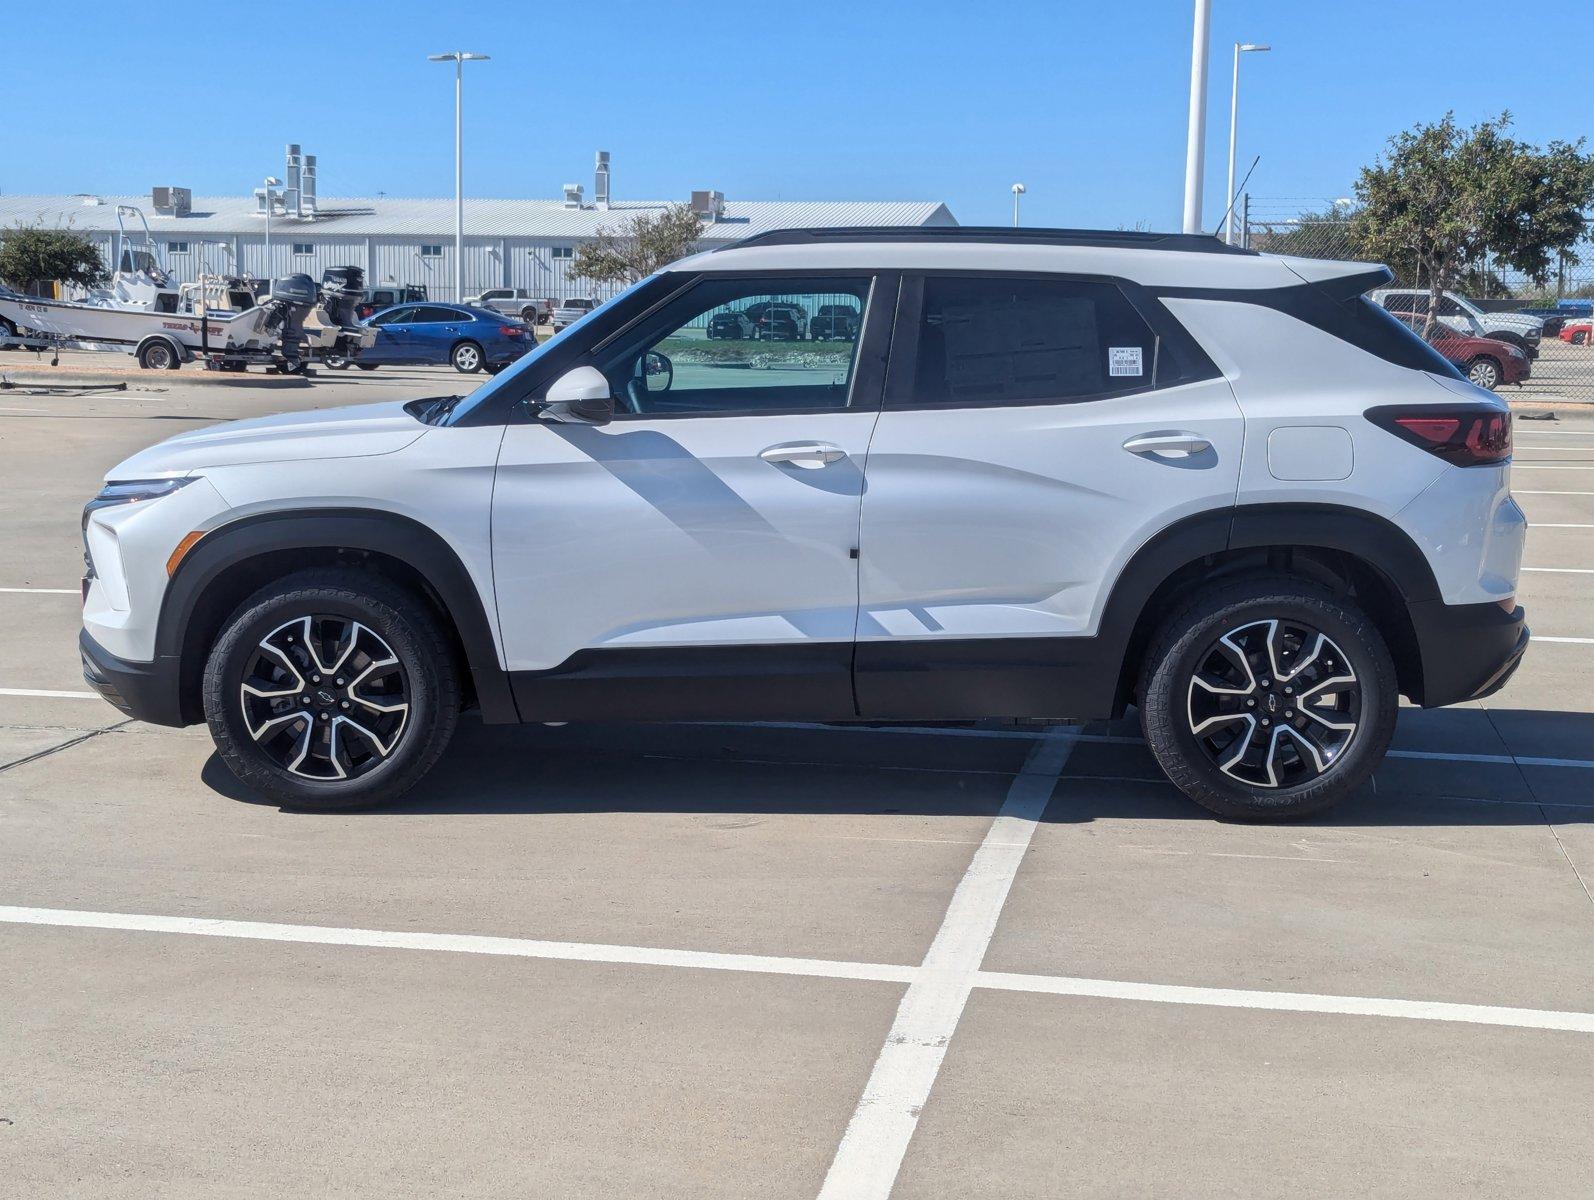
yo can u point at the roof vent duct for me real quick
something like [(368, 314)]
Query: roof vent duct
[(307, 187), (600, 182), (171, 201), (708, 205), (573, 193), (290, 191)]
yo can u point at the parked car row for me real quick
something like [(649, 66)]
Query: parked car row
[(1465, 317), (783, 321)]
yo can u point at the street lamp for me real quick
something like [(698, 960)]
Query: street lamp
[(1234, 113), (459, 58), (1018, 190), (1195, 144), (270, 181)]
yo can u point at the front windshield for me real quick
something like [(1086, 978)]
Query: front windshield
[(507, 377)]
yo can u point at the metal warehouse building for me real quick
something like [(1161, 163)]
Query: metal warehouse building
[(508, 243)]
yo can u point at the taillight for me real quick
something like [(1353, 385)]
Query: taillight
[(1464, 437), (512, 330)]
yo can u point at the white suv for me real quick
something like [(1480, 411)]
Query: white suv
[(1057, 473)]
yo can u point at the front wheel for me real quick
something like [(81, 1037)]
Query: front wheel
[(1268, 698), (331, 689), (158, 356), (1484, 372)]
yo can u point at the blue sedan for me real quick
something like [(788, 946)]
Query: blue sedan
[(469, 338)]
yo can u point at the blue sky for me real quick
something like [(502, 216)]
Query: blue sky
[(801, 100)]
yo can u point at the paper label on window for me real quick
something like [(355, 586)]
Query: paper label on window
[(1124, 360)]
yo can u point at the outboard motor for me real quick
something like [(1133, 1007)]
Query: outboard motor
[(334, 327), (291, 300)]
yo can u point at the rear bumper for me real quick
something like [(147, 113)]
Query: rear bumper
[(147, 691), (1468, 651)]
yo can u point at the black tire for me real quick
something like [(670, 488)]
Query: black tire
[(1190, 639), (367, 366), (337, 362), (1579, 336), (158, 355), (529, 316), (466, 357), (391, 622), (1485, 372), (7, 329)]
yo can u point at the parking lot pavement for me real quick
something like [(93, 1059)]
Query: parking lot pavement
[(1150, 1100), (719, 960), (138, 1065)]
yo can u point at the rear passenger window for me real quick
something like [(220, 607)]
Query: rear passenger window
[(1011, 341)]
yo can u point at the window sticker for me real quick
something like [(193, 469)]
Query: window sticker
[(1124, 360)]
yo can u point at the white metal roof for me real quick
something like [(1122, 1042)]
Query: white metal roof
[(216, 216)]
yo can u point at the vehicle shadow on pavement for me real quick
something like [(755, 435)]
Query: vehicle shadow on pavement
[(798, 769)]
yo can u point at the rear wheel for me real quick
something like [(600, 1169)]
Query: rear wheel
[(1484, 372), (1268, 698), (331, 689), (467, 358), (158, 356), (1579, 336)]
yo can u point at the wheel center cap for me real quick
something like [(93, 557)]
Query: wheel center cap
[(326, 697), (1272, 702)]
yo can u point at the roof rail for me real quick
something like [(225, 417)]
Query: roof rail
[(1114, 239)]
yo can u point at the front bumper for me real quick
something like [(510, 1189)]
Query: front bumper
[(1468, 651), (147, 691)]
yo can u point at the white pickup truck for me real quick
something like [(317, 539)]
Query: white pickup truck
[(515, 302)]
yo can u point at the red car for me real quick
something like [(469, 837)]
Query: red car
[(1578, 332), (1487, 362)]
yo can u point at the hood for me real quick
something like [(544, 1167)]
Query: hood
[(1517, 321), (356, 432)]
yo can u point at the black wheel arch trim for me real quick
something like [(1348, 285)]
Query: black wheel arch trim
[(371, 530)]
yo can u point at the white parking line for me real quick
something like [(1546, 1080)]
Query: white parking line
[(1110, 989), (46, 591), (1538, 637), (1519, 492), (1365, 1006), (1560, 570), (877, 1136), (1556, 525), (41, 693), (458, 943), (1549, 467)]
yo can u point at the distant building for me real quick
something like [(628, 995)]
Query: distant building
[(508, 243)]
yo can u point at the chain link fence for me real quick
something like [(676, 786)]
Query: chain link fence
[(1491, 312)]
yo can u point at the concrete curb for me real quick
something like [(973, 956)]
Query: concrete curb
[(78, 377)]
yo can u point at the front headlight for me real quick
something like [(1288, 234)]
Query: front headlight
[(1514, 352), (133, 491)]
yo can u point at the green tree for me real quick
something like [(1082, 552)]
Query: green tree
[(638, 247), (1444, 199), (32, 254)]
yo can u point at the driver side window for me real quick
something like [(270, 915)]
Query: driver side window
[(743, 346)]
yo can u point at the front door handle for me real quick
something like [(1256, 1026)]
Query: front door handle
[(1168, 444), (808, 455)]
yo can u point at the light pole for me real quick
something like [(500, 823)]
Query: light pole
[(270, 181), (1196, 137), (459, 58), (1234, 120), (1018, 190)]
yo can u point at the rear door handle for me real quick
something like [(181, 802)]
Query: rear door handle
[(808, 455), (1168, 444)]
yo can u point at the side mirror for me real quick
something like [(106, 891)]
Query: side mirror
[(658, 372), (581, 396)]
